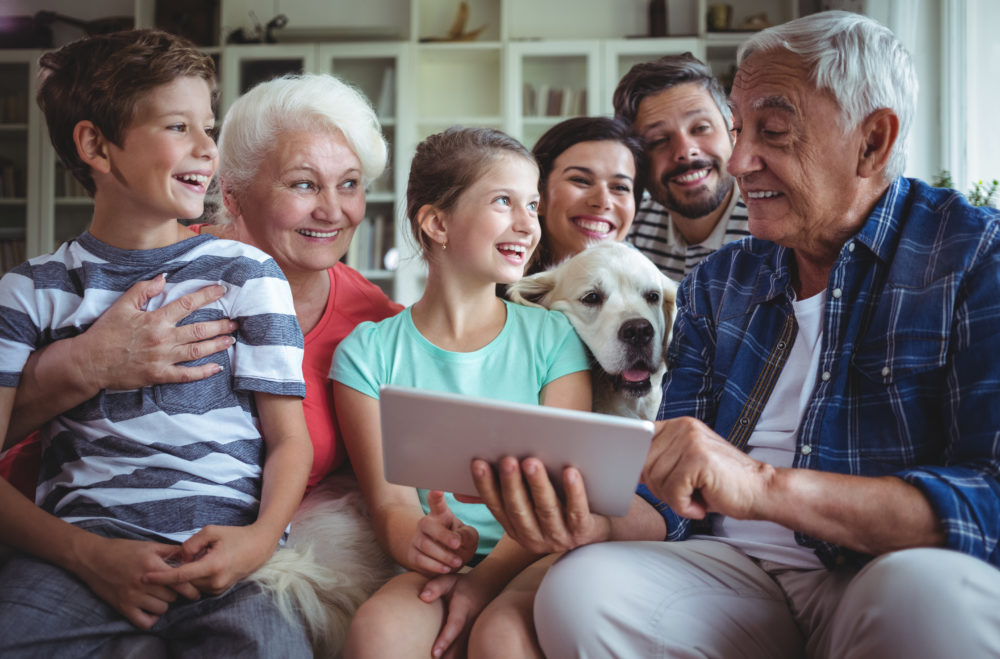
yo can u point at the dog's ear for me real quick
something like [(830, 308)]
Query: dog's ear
[(533, 289), (668, 292)]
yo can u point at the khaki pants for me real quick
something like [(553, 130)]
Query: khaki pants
[(702, 598)]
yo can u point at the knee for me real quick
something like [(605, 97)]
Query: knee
[(503, 633), (577, 597), (919, 601)]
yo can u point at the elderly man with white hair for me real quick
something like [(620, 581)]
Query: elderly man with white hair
[(827, 462)]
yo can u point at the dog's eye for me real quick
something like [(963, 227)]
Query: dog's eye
[(653, 297), (593, 298)]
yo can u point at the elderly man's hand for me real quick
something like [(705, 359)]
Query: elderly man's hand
[(525, 503), (696, 472)]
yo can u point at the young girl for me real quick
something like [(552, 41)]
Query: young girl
[(471, 201)]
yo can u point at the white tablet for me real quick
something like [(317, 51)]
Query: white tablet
[(429, 440)]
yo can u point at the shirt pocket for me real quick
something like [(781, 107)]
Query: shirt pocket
[(200, 396), (909, 334), (901, 364)]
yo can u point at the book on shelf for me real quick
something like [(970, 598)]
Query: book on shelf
[(554, 105), (12, 181), (385, 107), (12, 252), (529, 101)]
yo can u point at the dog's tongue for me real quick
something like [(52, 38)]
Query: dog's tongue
[(635, 375)]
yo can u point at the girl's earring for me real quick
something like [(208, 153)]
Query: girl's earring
[(444, 246)]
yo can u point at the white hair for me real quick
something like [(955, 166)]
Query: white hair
[(297, 102), (856, 58)]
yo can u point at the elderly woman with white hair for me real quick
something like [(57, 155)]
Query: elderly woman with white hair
[(295, 157)]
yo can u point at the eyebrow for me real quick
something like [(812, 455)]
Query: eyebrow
[(774, 103), (588, 170)]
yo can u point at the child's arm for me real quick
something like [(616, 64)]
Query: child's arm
[(112, 568), (125, 348), (468, 594), (218, 556), (432, 544)]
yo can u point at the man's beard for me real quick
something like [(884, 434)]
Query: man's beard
[(706, 201)]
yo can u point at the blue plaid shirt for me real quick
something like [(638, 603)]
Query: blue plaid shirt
[(909, 375)]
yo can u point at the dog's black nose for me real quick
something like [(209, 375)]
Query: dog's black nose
[(637, 332)]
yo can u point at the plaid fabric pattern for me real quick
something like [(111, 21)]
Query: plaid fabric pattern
[(909, 376)]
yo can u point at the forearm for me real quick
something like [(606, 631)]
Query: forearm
[(642, 522), (287, 463), (29, 529), (51, 383), (506, 561), (872, 515)]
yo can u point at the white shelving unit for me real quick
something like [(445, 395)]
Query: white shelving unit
[(574, 50)]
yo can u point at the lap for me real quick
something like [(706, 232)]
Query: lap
[(47, 610), (656, 598)]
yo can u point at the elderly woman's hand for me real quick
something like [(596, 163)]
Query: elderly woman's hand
[(128, 347)]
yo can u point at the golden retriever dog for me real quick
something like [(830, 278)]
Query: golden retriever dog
[(622, 307)]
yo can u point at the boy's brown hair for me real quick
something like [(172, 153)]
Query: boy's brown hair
[(102, 78)]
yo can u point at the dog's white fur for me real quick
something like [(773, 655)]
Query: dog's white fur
[(622, 307), (330, 564)]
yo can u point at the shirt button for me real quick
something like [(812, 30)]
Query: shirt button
[(837, 293), (826, 376), (806, 450), (744, 421), (850, 246), (885, 371)]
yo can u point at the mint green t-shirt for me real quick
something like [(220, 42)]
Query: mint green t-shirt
[(535, 347)]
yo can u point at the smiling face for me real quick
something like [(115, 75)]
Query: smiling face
[(797, 169), (588, 197), (167, 157), (304, 203), (688, 144), (493, 227)]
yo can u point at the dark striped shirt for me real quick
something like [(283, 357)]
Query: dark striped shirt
[(654, 234)]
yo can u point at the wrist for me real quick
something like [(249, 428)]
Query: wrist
[(73, 359)]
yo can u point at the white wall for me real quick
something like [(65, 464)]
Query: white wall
[(982, 102)]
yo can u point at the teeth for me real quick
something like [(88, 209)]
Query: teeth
[(513, 247), (596, 226), (764, 194), (319, 234), (200, 179), (692, 176)]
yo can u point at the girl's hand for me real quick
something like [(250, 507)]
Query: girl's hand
[(217, 557), (442, 543), (464, 601)]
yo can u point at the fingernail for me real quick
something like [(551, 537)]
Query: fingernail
[(570, 476), (530, 468)]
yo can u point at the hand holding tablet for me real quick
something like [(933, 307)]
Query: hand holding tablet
[(429, 440)]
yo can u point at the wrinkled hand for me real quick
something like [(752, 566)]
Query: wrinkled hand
[(114, 570), (128, 347), (216, 557), (442, 543), (696, 472), (463, 604), (526, 504)]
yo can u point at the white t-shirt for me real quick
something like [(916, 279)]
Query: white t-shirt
[(775, 438)]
